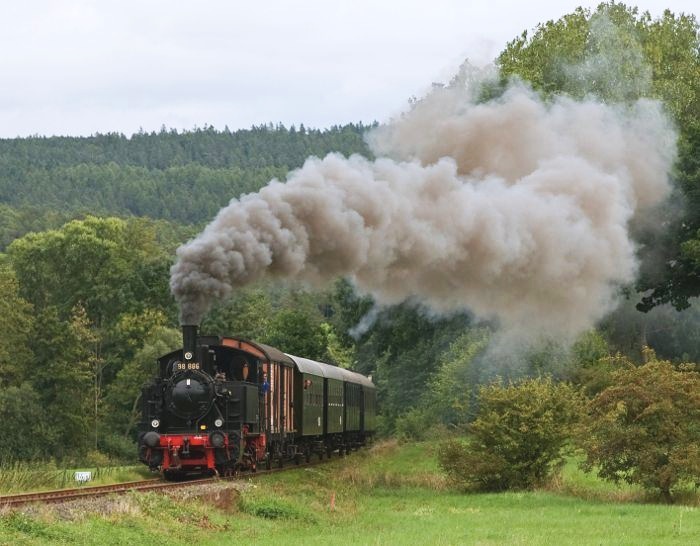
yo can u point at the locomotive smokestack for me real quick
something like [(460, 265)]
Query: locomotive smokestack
[(189, 342)]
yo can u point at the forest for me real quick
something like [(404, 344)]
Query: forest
[(90, 225)]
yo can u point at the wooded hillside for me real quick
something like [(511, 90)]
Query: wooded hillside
[(89, 228), (181, 177)]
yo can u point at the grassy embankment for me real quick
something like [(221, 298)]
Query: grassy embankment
[(389, 495)]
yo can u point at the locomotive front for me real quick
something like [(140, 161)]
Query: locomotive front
[(190, 423)]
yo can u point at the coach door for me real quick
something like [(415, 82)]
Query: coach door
[(281, 411)]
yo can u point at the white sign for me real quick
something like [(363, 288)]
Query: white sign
[(82, 477)]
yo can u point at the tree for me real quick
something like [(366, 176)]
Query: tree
[(97, 262), (153, 174), (337, 353), (88, 274), (450, 394), (643, 429), (618, 55), (124, 392), (298, 332), (32, 435), (63, 375), (518, 439), (247, 315), (16, 324), (402, 351)]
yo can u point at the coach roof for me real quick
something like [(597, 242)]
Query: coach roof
[(354, 377), (318, 368)]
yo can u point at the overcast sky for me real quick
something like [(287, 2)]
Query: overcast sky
[(77, 67)]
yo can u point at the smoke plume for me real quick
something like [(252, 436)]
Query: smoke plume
[(514, 209)]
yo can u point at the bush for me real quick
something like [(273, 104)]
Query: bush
[(644, 428), (118, 448), (96, 458), (270, 508), (518, 439), (419, 424), (31, 435)]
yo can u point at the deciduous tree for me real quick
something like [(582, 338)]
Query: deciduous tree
[(619, 55), (16, 323), (643, 429)]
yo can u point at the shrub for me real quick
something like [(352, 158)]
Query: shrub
[(518, 439), (118, 448), (270, 508), (644, 429), (96, 458), (419, 423), (30, 435)]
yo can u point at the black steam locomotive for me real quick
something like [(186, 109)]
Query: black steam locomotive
[(223, 404)]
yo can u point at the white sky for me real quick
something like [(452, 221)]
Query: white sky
[(76, 67)]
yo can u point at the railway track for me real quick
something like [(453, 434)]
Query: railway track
[(62, 495), (153, 484)]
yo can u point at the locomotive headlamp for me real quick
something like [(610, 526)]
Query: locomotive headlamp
[(155, 423), (188, 355), (218, 422)]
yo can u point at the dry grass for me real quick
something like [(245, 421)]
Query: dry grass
[(384, 447), (382, 466), (358, 476), (593, 489), (583, 491), (224, 496)]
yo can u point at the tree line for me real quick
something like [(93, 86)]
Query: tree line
[(260, 146), (183, 177)]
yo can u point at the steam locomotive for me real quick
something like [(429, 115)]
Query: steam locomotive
[(224, 404)]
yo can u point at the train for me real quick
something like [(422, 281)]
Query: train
[(223, 404)]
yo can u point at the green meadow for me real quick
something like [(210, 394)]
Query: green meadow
[(389, 494)]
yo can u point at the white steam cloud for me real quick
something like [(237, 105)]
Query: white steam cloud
[(513, 209)]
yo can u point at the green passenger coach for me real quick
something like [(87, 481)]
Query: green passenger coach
[(309, 391), (332, 402)]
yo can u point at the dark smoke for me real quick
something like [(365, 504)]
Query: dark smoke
[(514, 209)]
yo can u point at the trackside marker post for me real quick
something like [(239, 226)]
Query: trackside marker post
[(83, 477)]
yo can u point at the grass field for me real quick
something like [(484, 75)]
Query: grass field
[(388, 495)]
